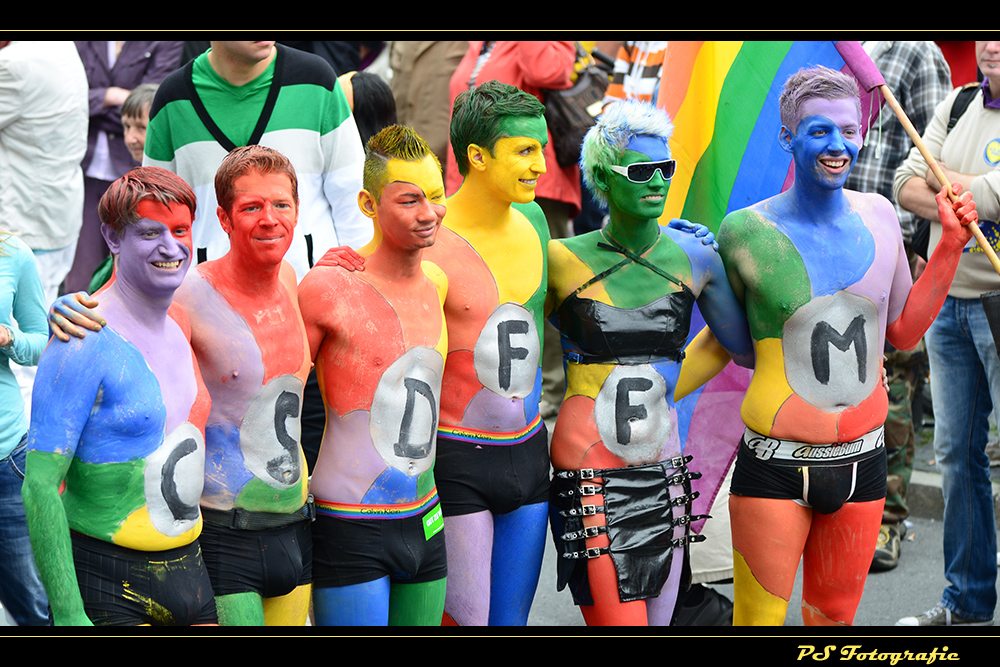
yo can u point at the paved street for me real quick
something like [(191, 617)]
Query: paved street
[(913, 587)]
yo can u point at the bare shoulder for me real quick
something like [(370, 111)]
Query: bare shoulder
[(735, 226), (561, 250), (178, 314), (437, 276), (322, 279), (288, 278), (871, 203), (192, 291)]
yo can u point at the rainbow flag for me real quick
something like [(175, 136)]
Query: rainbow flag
[(723, 99)]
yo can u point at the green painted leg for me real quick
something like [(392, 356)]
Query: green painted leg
[(417, 604), (240, 609)]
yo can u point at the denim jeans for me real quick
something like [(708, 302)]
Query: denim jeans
[(21, 591), (965, 385)]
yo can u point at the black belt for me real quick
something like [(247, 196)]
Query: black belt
[(241, 519)]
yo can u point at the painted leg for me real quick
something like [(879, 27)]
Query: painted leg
[(837, 557), (240, 609), (660, 610), (608, 609), (417, 604), (469, 543), (518, 547), (288, 610), (768, 538), (359, 604)]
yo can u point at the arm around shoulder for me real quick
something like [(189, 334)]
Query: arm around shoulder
[(718, 304)]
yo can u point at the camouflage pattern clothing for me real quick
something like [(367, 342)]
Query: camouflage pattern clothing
[(907, 371)]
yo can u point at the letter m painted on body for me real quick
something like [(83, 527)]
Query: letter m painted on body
[(824, 335)]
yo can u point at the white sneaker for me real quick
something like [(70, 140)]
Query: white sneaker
[(940, 616)]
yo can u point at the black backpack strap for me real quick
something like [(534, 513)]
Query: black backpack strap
[(961, 103), (921, 236)]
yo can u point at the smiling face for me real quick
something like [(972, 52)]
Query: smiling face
[(154, 252), (261, 219), (513, 166), (826, 142), (412, 204), (639, 201)]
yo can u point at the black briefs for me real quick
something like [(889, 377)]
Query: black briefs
[(127, 587)]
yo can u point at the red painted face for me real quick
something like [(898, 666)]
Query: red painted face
[(176, 217), (261, 220)]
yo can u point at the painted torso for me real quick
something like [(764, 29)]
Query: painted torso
[(818, 299), (254, 362), (617, 414), (497, 280), (138, 464), (379, 368)]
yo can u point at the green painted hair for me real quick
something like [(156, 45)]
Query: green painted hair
[(605, 142), (477, 115), (395, 142)]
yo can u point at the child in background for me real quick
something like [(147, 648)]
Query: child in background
[(135, 117)]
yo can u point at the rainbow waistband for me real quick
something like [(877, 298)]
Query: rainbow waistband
[(471, 435), (353, 511)]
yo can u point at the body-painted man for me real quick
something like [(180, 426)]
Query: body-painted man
[(247, 333), (622, 298), (248, 336), (119, 417), (492, 460), (824, 278), (379, 341), (493, 464)]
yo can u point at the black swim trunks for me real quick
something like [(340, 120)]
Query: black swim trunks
[(355, 551), (472, 477), (271, 562), (126, 587)]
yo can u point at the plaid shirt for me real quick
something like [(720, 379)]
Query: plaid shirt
[(637, 72), (919, 78)]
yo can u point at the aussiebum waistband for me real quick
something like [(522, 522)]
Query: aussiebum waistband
[(355, 511), (794, 453)]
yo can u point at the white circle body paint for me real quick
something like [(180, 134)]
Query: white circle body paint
[(404, 413), (173, 481), (831, 351), (632, 414), (270, 433), (507, 352)]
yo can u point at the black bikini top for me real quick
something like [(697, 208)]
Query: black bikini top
[(594, 332)]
